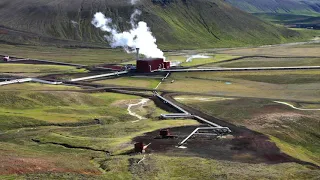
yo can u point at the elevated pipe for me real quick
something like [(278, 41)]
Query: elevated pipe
[(98, 76), (202, 128)]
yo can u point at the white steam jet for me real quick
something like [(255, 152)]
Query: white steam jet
[(139, 36)]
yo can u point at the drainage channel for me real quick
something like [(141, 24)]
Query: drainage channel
[(71, 146)]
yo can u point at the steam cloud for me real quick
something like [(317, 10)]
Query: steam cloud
[(189, 59), (139, 36), (133, 2)]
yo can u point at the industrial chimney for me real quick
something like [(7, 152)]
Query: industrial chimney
[(137, 49)]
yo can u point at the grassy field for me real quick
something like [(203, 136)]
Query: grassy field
[(288, 51), (143, 82), (268, 62), (164, 167), (55, 119), (298, 85), (21, 109), (71, 55), (294, 131), (29, 138), (37, 87), (273, 77), (34, 70), (60, 132)]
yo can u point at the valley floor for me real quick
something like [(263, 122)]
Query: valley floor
[(88, 130)]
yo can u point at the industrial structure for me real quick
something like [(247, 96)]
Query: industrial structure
[(6, 58), (165, 134), (140, 147), (149, 65)]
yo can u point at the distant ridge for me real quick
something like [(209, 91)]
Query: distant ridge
[(177, 24), (301, 7)]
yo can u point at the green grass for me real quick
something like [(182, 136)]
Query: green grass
[(309, 50), (285, 79), (29, 111), (33, 70), (163, 167), (292, 85), (43, 108), (270, 62), (132, 82), (298, 151), (19, 124), (76, 55), (37, 87), (276, 77), (113, 137)]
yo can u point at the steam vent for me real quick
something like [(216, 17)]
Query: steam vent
[(151, 64)]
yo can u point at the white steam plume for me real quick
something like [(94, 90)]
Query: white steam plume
[(133, 17), (189, 59), (133, 2), (139, 36)]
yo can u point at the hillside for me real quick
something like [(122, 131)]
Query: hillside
[(305, 7), (291, 20), (176, 23)]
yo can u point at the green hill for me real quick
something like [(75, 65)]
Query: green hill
[(301, 7), (291, 13), (175, 23)]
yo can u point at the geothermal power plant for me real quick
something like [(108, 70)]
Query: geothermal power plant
[(148, 65), (151, 65)]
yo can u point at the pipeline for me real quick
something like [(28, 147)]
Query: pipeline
[(241, 69), (15, 81), (99, 76)]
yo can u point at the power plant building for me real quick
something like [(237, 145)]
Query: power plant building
[(151, 64)]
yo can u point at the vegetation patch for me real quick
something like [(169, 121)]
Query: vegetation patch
[(269, 62), (143, 82), (37, 87), (36, 68), (76, 55), (292, 85), (59, 107)]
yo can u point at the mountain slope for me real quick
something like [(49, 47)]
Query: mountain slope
[(302, 7), (175, 23)]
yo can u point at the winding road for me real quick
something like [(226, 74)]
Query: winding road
[(292, 106)]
